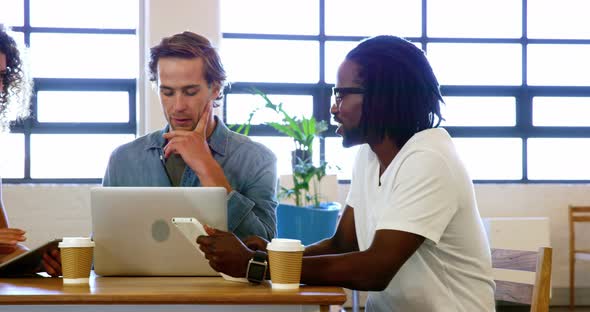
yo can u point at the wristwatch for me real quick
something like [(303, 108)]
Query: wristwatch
[(257, 267)]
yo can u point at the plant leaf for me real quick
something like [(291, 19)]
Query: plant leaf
[(282, 128)]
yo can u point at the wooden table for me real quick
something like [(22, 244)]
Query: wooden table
[(160, 294)]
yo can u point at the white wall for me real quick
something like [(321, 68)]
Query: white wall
[(48, 211)]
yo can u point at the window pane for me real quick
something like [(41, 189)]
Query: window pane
[(561, 111), (12, 164), (484, 162), (335, 53), (239, 107), (85, 14), (276, 17), (374, 17), (82, 106), (476, 64), (12, 13), (560, 65), (86, 56), (19, 38), (479, 19), (73, 155), (339, 158), (281, 147), (558, 159), (568, 19), (271, 60), (462, 111)]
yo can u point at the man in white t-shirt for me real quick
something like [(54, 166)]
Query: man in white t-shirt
[(410, 233)]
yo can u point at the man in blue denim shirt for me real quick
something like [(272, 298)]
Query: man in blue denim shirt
[(196, 148)]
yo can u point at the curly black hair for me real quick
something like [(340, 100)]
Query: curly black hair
[(13, 78), (14, 82)]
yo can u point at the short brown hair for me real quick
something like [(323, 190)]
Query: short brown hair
[(189, 45)]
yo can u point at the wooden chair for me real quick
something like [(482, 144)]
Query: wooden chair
[(577, 214), (523, 276)]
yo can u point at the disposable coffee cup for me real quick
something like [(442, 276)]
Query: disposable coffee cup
[(285, 257), (76, 259)]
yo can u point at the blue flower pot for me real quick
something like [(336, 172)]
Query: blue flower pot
[(308, 224)]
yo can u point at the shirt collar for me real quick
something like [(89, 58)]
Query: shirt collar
[(219, 138), (217, 141)]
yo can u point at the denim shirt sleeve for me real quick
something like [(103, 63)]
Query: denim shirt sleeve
[(108, 179), (252, 210)]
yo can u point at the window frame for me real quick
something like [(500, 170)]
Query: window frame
[(522, 93), (31, 125)]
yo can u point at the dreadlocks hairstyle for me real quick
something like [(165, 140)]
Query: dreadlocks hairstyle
[(402, 95), (190, 45), (16, 92)]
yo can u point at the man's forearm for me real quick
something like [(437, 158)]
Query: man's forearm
[(351, 270), (329, 246), (323, 247)]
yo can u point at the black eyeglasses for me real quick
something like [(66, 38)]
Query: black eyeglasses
[(340, 93)]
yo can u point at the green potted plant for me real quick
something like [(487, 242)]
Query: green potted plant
[(310, 219)]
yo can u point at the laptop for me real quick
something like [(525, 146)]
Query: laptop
[(134, 235)]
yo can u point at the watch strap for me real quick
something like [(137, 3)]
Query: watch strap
[(258, 261), (259, 256)]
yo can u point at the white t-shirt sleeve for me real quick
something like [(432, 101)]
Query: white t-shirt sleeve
[(423, 198)]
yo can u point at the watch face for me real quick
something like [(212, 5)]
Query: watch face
[(256, 271)]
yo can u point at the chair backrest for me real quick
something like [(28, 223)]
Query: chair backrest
[(523, 276), (577, 214)]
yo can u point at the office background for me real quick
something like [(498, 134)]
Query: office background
[(54, 210)]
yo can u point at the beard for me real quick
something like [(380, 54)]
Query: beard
[(352, 137)]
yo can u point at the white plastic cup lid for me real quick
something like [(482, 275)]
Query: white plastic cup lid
[(285, 244), (68, 242)]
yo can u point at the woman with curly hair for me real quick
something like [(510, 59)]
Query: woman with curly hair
[(15, 94), (11, 86), (15, 88)]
